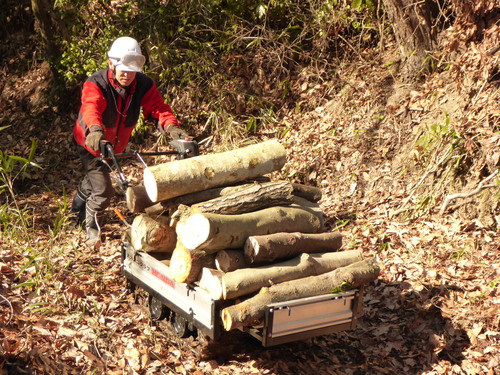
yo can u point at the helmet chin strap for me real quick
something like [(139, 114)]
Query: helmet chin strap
[(115, 80)]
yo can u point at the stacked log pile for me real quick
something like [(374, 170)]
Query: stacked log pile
[(240, 236)]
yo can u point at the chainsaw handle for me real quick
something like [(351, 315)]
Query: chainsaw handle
[(108, 152), (185, 148), (106, 149)]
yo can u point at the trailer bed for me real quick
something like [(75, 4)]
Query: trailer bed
[(284, 322)]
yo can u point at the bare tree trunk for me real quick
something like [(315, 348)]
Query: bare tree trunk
[(310, 193), (412, 24), (138, 199), (201, 196), (46, 26)]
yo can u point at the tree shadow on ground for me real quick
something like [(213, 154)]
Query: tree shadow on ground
[(14, 365)]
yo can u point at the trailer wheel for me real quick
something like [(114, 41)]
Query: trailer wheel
[(157, 309), (179, 325), (130, 287)]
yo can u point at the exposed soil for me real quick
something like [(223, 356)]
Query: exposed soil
[(433, 310)]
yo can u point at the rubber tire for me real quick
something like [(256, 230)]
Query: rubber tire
[(157, 309), (179, 325)]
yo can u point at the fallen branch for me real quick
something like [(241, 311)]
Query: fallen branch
[(11, 309), (477, 190)]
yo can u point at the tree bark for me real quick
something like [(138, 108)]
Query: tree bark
[(186, 265), (252, 310), (245, 199), (48, 27), (268, 248), (310, 193), (249, 280), (251, 198), (152, 235), (230, 260), (137, 199), (412, 25), (197, 197), (213, 232), (186, 176), (188, 200)]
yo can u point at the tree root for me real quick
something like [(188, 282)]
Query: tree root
[(477, 190)]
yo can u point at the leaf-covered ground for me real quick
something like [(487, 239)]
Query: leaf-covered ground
[(433, 310)]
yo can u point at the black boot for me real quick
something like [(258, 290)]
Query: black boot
[(78, 208), (93, 222)]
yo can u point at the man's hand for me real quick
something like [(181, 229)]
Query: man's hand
[(94, 138), (175, 132)]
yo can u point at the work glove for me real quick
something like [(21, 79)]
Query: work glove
[(94, 138), (175, 132)]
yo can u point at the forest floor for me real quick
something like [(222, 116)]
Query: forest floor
[(433, 310)]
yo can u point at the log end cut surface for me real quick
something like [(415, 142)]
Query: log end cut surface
[(150, 185), (195, 232)]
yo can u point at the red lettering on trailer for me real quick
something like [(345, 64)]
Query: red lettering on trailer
[(162, 277)]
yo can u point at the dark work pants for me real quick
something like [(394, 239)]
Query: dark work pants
[(96, 184)]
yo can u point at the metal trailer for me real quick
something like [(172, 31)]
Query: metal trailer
[(192, 308)]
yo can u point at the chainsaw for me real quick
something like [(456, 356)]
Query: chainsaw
[(183, 148)]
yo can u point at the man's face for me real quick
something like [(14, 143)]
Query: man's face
[(124, 78)]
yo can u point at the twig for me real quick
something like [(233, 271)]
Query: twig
[(11, 309), (351, 47), (476, 97), (422, 179), (477, 190)]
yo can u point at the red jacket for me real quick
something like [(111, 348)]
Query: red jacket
[(102, 105)]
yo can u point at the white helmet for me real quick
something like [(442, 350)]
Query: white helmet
[(126, 53)]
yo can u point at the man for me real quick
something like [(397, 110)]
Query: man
[(111, 102)]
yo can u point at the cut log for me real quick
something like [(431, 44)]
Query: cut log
[(310, 193), (199, 196), (210, 281), (213, 232), (310, 207), (186, 176), (268, 248), (137, 199), (152, 235), (181, 214), (252, 310), (251, 198), (247, 198), (186, 265), (230, 260), (249, 280), (188, 199)]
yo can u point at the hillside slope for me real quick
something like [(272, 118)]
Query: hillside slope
[(386, 156)]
